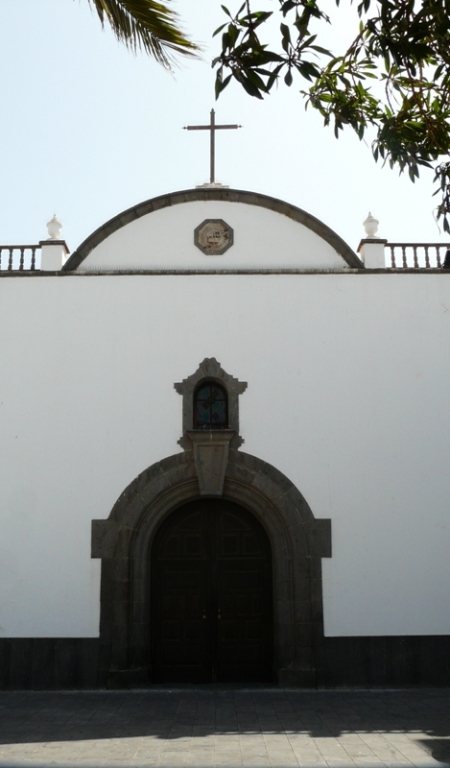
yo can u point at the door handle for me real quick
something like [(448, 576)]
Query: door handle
[(204, 613), (219, 614)]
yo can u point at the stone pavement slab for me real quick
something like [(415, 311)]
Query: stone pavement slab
[(225, 727)]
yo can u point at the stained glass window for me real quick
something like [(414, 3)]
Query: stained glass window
[(210, 407)]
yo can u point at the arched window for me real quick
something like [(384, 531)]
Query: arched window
[(210, 406)]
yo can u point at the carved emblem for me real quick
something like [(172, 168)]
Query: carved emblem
[(213, 237)]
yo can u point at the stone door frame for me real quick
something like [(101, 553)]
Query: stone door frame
[(124, 540)]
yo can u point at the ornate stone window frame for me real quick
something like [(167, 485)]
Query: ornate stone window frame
[(210, 370)]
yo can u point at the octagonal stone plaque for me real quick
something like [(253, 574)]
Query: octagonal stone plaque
[(213, 237)]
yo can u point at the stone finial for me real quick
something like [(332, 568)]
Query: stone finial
[(371, 249), (53, 250), (54, 228), (371, 226)]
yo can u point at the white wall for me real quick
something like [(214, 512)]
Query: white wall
[(164, 239), (348, 378)]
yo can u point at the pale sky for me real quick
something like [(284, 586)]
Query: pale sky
[(88, 130)]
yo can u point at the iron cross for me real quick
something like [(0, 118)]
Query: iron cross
[(212, 127)]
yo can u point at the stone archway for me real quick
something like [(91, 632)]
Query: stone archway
[(123, 542)]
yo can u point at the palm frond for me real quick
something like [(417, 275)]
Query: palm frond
[(147, 25)]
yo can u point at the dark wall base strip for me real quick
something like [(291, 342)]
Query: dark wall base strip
[(383, 661), (45, 663), (73, 663)]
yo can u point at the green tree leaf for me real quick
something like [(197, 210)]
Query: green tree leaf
[(402, 44)]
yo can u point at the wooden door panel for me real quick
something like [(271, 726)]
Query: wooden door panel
[(211, 604), (181, 645), (244, 589)]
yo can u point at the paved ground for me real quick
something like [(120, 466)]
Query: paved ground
[(226, 727)]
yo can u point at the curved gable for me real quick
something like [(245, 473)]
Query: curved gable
[(162, 234)]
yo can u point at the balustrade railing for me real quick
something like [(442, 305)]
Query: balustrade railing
[(417, 255), (26, 258), (21, 258)]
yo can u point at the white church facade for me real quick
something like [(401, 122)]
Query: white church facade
[(225, 438)]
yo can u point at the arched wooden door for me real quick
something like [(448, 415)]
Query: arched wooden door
[(211, 596)]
